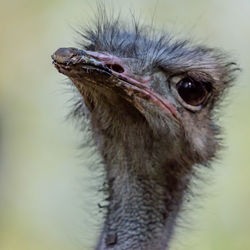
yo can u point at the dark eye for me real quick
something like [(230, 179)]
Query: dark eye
[(192, 92)]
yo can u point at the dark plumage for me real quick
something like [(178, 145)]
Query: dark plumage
[(150, 100)]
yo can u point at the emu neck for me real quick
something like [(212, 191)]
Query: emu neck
[(145, 188)]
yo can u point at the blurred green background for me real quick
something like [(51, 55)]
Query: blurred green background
[(48, 193)]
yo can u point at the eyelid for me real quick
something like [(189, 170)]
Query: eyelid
[(208, 86), (176, 79)]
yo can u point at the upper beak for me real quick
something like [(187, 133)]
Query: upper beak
[(63, 55), (71, 61)]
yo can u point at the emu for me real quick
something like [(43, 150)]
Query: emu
[(151, 100)]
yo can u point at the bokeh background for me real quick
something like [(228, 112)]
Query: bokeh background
[(48, 187)]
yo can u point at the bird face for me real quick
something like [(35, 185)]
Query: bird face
[(129, 76)]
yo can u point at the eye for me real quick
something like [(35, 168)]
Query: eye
[(192, 92)]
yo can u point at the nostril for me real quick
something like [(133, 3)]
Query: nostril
[(116, 67)]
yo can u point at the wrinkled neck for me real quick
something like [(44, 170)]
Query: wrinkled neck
[(145, 189), (141, 214)]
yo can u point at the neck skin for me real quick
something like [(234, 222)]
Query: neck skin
[(145, 189)]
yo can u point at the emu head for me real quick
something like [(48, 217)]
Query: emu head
[(136, 76), (151, 100)]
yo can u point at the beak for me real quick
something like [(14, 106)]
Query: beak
[(87, 68)]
